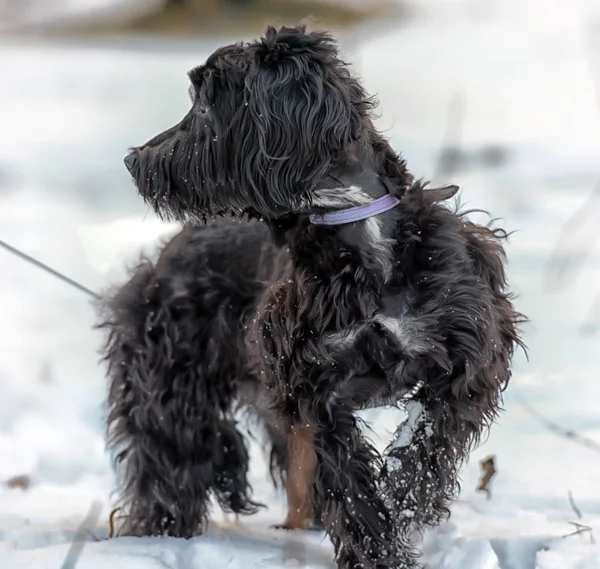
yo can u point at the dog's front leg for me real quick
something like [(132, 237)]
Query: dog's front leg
[(357, 519), (420, 475)]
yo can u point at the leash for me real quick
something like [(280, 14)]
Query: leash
[(50, 270)]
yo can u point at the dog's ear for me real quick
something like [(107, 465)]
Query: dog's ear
[(442, 194), (390, 163), (301, 109)]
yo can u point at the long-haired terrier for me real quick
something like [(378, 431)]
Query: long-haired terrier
[(331, 281)]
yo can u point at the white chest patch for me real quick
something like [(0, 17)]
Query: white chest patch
[(405, 330)]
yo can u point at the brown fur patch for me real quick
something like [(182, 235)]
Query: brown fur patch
[(302, 465)]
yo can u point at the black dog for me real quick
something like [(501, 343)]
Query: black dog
[(343, 284)]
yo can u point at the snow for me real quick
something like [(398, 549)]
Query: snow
[(404, 433), (68, 115)]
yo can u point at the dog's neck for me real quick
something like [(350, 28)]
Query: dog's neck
[(314, 247)]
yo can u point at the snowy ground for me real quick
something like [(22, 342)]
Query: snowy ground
[(67, 117)]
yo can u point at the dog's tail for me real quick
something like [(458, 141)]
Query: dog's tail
[(169, 402)]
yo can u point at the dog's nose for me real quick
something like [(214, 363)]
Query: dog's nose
[(131, 162)]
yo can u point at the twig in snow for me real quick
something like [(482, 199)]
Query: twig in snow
[(580, 530), (574, 506), (561, 431), (111, 523), (79, 539), (488, 469), (22, 481)]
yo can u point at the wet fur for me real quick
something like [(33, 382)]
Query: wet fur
[(299, 324)]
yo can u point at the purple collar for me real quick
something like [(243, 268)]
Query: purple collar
[(358, 213)]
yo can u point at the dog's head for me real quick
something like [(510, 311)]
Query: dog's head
[(269, 120)]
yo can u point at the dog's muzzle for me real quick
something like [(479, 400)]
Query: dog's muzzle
[(132, 162)]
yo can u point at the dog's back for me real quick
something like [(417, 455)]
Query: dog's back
[(226, 260)]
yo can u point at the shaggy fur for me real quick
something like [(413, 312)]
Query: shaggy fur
[(300, 324)]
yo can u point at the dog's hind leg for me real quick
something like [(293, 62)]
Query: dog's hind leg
[(292, 457), (231, 466), (293, 464), (299, 480), (170, 394)]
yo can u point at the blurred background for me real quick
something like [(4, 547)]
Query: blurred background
[(499, 96)]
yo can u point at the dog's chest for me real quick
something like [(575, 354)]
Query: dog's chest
[(399, 321), (395, 304), (394, 320)]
